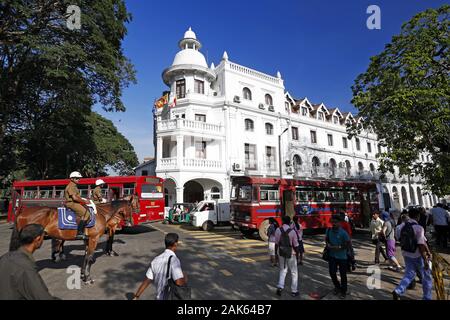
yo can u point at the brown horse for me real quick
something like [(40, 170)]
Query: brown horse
[(108, 218)]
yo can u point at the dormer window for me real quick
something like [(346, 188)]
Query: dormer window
[(304, 111), (335, 119), (269, 100), (321, 116), (247, 94)]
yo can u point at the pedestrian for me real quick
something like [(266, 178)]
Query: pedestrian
[(299, 231), (423, 220), (416, 254), (19, 279), (287, 248), (376, 225), (157, 272), (388, 232), (273, 226), (345, 225), (441, 218), (337, 242)]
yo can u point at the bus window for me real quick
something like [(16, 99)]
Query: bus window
[(128, 190), (45, 192), (59, 193), (30, 193), (84, 191), (149, 191), (233, 195), (269, 193), (320, 196), (245, 193), (351, 195), (302, 196)]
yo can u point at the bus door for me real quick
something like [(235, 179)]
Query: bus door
[(289, 203)]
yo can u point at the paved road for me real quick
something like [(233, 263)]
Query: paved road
[(220, 265)]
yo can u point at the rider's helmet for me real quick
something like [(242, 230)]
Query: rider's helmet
[(75, 174), (99, 182)]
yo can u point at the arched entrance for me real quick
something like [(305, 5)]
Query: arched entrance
[(396, 198), (170, 192), (193, 191), (404, 197), (412, 195)]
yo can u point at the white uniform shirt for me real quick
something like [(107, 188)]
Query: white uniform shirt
[(158, 271), (440, 216)]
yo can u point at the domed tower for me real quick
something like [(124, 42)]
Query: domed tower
[(189, 72)]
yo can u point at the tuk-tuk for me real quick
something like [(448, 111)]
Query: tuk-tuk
[(179, 213)]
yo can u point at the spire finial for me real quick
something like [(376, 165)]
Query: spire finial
[(225, 56)]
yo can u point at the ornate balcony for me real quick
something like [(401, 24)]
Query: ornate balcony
[(189, 125), (173, 164)]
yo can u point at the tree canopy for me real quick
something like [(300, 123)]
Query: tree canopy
[(404, 97), (50, 78)]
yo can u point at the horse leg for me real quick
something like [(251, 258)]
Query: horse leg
[(56, 250), (85, 263), (112, 252), (108, 247), (90, 259), (62, 254)]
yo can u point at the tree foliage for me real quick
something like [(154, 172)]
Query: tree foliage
[(404, 97), (51, 76)]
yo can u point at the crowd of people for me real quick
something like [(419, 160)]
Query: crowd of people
[(20, 280)]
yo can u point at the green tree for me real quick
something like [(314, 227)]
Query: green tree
[(48, 70), (404, 97)]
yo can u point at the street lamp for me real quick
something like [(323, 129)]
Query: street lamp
[(279, 151)]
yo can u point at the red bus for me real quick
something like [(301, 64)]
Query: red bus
[(50, 193), (255, 200)]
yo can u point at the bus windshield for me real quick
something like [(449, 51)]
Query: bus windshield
[(151, 191), (245, 193)]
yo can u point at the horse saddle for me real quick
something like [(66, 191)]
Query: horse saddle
[(68, 220)]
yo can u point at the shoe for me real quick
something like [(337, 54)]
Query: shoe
[(295, 294), (395, 295), (80, 232), (342, 296), (353, 267), (279, 292), (336, 291)]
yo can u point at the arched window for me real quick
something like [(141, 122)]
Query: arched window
[(249, 125), (372, 167), (269, 129), (404, 197), (360, 167), (297, 162), (333, 167), (315, 166), (247, 94), (348, 168), (269, 100)]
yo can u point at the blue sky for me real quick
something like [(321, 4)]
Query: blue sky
[(319, 47)]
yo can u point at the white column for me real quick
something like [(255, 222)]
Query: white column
[(180, 195), (159, 150), (180, 148)]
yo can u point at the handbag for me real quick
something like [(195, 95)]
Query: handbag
[(172, 291)]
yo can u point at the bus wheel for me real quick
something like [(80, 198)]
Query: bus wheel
[(263, 230), (207, 226)]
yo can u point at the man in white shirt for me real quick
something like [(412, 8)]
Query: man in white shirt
[(376, 226), (158, 269), (441, 218)]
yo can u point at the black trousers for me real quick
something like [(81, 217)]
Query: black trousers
[(441, 235), (333, 265), (379, 249)]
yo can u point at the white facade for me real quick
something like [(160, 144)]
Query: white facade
[(227, 122)]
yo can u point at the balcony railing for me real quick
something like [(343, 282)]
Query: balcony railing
[(174, 164), (199, 126), (333, 173)]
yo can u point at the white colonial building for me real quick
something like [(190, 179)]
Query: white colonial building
[(231, 120)]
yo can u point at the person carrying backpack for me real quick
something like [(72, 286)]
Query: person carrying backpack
[(337, 242), (416, 254), (297, 227), (287, 248)]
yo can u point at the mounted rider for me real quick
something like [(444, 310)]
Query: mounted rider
[(97, 195), (75, 202)]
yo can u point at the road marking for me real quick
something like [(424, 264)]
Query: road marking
[(221, 239), (241, 253), (226, 273), (209, 236), (213, 264), (258, 258)]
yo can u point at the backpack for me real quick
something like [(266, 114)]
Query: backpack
[(284, 246), (271, 230), (408, 239)]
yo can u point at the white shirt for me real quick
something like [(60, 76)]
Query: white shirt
[(292, 237), (375, 227), (158, 270), (440, 216)]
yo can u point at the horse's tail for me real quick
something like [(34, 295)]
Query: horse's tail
[(14, 243)]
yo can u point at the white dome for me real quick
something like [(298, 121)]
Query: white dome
[(190, 56), (190, 34)]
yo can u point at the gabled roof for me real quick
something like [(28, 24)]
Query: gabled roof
[(347, 116), (322, 107), (335, 111)]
